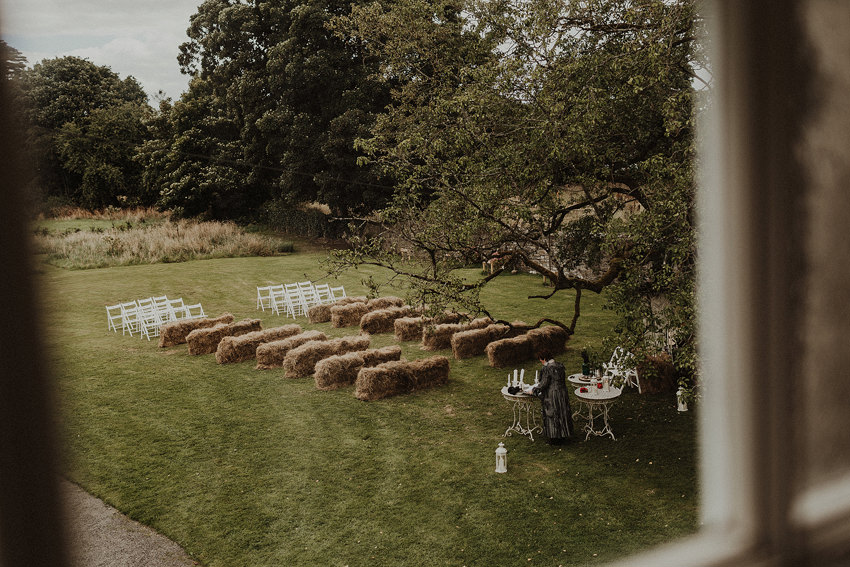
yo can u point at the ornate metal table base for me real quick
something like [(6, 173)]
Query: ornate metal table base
[(597, 404), (524, 414)]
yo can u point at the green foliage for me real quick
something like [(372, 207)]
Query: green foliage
[(559, 134), (271, 114), (84, 124)]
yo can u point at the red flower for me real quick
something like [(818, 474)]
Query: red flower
[(582, 389), (599, 386)]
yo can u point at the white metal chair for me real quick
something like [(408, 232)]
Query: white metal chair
[(293, 294), (622, 369), (114, 316)]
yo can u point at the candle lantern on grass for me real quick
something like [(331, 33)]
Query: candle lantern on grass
[(501, 459)]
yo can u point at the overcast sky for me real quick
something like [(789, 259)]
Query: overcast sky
[(132, 37)]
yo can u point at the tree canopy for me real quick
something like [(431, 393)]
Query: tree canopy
[(556, 133), (275, 105), (84, 124)]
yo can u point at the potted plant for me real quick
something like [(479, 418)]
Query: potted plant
[(585, 362)]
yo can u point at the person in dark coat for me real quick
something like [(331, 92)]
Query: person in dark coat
[(554, 400)]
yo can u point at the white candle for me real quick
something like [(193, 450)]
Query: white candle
[(522, 375)]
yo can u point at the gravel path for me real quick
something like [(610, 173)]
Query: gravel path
[(103, 537)]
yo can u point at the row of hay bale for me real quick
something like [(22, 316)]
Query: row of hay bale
[(244, 347), (410, 328), (473, 342)]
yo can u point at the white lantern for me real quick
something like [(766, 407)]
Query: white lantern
[(680, 399), (501, 459)]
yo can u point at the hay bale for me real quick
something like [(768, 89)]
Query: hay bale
[(322, 313), (384, 302), (401, 377), (205, 341), (301, 361), (337, 371), (429, 372), (466, 344), (383, 320), (271, 354), (244, 347), (508, 352), (551, 338), (348, 315), (387, 379), (376, 356), (410, 328), (175, 333), (439, 337), (342, 369)]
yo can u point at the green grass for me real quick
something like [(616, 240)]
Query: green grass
[(244, 467)]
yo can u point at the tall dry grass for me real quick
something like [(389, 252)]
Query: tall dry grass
[(167, 241), (133, 215)]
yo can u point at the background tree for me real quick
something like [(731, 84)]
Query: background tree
[(78, 113), (294, 96), (568, 148)]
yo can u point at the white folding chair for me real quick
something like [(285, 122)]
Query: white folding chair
[(177, 309), (337, 293), (195, 311), (622, 369), (264, 297), (149, 320), (113, 316), (130, 318), (163, 308), (308, 292), (293, 295), (323, 293)]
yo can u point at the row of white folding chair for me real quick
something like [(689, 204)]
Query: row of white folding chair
[(296, 298), (147, 315)]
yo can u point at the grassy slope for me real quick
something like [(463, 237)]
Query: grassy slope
[(244, 467)]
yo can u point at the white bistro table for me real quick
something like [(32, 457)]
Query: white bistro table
[(524, 408), (597, 401)]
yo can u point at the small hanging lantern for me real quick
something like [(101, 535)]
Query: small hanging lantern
[(680, 399), (501, 459)]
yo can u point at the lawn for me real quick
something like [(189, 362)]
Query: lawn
[(245, 467)]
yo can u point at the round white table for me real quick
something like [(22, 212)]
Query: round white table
[(524, 408), (597, 401)]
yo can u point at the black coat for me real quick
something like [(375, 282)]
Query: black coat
[(555, 401)]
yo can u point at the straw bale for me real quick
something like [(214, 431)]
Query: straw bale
[(383, 320), (376, 356), (439, 337), (429, 372), (272, 354), (387, 379), (301, 361), (550, 338), (348, 315), (466, 344), (205, 341), (244, 347), (341, 369), (409, 328), (175, 333), (384, 302), (338, 370), (322, 313), (507, 352)]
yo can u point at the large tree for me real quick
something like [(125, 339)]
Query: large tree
[(84, 123), (293, 95), (567, 148)]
